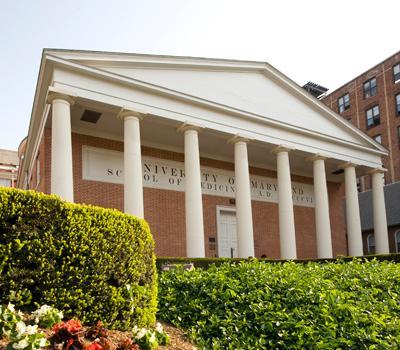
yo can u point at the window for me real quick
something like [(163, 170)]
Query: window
[(396, 73), (397, 241), (398, 104), (5, 182), (373, 117), (343, 103), (378, 138), (371, 243), (370, 88)]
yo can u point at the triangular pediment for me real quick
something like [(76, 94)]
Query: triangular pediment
[(251, 87)]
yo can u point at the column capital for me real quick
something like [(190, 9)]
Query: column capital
[(282, 148), (377, 171), (347, 165), (238, 138), (185, 126), (126, 113), (58, 94), (317, 156)]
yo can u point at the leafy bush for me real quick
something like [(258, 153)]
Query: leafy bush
[(47, 316), (77, 258), (257, 305)]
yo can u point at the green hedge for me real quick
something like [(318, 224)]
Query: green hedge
[(77, 258), (258, 305), (207, 262)]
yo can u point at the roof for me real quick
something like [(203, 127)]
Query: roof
[(230, 96), (392, 202), (8, 157)]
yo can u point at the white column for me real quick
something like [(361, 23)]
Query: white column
[(193, 197), (244, 218), (287, 233), (354, 237), (133, 183), (379, 209), (61, 182), (322, 220)]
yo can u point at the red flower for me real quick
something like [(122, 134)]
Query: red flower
[(94, 346), (71, 326)]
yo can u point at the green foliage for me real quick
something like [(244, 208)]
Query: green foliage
[(8, 320), (19, 335), (47, 316), (77, 258), (148, 339), (206, 262), (258, 305)]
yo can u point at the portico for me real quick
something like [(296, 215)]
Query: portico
[(242, 141)]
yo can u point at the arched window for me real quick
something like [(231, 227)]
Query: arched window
[(397, 241), (371, 243)]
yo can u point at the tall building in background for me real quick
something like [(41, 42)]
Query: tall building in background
[(8, 168), (371, 101)]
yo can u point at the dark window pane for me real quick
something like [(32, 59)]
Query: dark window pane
[(372, 116), (370, 88), (398, 104), (343, 103), (396, 73)]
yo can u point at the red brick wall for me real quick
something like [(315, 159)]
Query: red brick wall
[(39, 183), (389, 120), (165, 210)]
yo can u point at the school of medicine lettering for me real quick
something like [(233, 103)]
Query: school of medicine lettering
[(170, 175)]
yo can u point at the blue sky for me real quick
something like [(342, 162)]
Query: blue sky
[(328, 42)]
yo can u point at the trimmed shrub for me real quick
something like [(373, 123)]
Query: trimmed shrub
[(258, 305), (77, 258), (207, 262)]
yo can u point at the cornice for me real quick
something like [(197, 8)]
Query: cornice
[(211, 104)]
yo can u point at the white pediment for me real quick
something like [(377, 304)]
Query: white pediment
[(253, 88)]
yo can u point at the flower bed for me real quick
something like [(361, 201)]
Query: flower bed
[(22, 333)]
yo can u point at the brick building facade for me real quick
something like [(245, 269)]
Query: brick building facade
[(163, 208), (371, 101), (373, 105), (8, 168), (106, 128)]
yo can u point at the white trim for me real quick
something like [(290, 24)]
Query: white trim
[(39, 139), (109, 59), (52, 58), (228, 129), (378, 149), (218, 209)]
